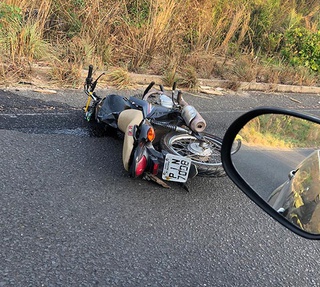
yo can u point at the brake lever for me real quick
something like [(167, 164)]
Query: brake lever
[(94, 84)]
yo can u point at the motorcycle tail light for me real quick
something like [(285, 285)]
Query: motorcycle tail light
[(155, 168), (141, 166), (151, 134)]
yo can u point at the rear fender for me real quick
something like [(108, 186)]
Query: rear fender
[(141, 148), (129, 117), (127, 121), (137, 154)]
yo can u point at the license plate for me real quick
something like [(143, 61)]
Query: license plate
[(176, 168)]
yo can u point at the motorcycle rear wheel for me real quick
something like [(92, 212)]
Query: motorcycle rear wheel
[(206, 155)]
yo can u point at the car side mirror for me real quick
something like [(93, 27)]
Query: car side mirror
[(278, 165)]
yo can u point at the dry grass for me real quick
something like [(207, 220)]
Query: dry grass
[(168, 37), (170, 76), (189, 78), (120, 78), (139, 44)]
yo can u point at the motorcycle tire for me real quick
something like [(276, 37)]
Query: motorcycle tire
[(207, 156)]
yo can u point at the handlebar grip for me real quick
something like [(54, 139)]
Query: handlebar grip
[(148, 88), (161, 88), (89, 76), (90, 72), (174, 86)]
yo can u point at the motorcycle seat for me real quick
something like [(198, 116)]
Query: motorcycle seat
[(109, 107)]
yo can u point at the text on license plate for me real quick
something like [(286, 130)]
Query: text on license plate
[(176, 168)]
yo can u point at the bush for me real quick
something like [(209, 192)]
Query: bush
[(162, 36), (302, 47)]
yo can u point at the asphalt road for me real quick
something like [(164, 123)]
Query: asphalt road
[(71, 216), (267, 169)]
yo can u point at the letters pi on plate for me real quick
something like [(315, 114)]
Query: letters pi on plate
[(176, 168)]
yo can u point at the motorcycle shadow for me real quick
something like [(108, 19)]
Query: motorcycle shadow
[(98, 130)]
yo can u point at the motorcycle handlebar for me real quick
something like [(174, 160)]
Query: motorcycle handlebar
[(174, 86), (148, 88), (89, 76), (90, 71)]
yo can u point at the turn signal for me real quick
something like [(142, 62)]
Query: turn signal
[(151, 134)]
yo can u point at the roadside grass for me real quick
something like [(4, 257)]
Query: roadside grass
[(280, 131), (119, 78), (254, 41)]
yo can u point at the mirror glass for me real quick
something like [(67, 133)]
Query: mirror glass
[(279, 159)]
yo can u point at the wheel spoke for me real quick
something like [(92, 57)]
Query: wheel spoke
[(181, 143)]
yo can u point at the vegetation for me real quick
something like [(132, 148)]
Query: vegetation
[(119, 78), (281, 131), (241, 40)]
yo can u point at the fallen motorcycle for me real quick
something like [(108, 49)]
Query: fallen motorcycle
[(164, 136)]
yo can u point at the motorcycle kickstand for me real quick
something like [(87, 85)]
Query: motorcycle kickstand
[(150, 177), (185, 186)]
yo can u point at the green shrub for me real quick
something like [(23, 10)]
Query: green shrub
[(302, 47), (9, 14)]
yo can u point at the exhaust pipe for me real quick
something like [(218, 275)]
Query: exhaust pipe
[(191, 116)]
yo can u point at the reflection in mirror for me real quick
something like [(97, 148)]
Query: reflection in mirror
[(279, 159)]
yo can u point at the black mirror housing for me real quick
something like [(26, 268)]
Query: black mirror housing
[(242, 183)]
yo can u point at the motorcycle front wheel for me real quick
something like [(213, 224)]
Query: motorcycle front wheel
[(205, 153)]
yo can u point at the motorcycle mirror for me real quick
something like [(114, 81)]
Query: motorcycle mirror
[(278, 165)]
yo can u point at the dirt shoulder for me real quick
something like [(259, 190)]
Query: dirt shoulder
[(38, 81)]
